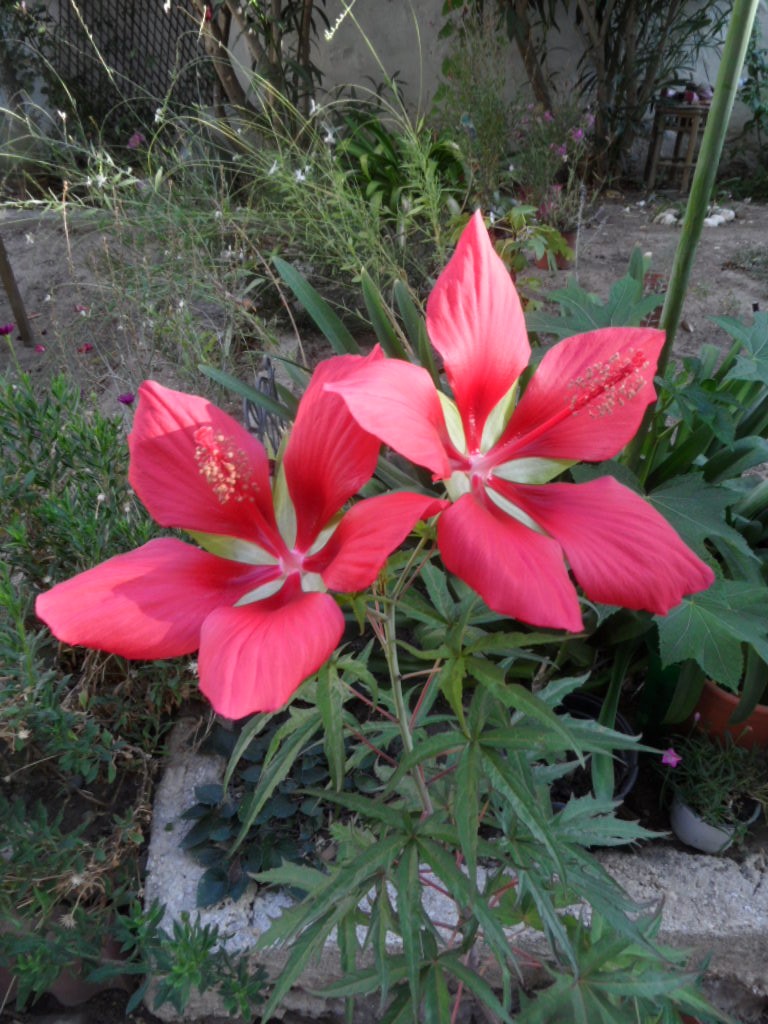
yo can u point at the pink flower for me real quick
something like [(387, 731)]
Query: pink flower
[(255, 600), (671, 758), (577, 134), (39, 348), (7, 329), (136, 140), (127, 398), (87, 347), (513, 536)]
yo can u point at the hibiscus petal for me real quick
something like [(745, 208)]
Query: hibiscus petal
[(586, 398), (329, 456), (148, 603), (367, 535), (621, 550), (397, 402), (195, 467), (517, 571), (254, 657), (476, 323)]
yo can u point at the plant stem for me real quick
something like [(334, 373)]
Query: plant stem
[(726, 85), (393, 664), (734, 52)]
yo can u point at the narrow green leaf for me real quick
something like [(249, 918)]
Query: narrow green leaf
[(436, 1003), (275, 772), (226, 380), (477, 985), (409, 914), (380, 318), (326, 320), (416, 329), (467, 805), (330, 703)]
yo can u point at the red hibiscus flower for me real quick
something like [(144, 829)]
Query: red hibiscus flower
[(255, 600), (511, 535)]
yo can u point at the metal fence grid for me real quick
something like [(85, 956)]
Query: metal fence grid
[(118, 54)]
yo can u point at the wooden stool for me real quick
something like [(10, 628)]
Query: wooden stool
[(14, 296), (687, 121)]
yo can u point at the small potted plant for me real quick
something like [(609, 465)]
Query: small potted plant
[(718, 790)]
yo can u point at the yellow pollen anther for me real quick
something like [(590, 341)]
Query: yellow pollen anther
[(224, 467), (606, 385)]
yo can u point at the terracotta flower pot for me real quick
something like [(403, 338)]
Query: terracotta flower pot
[(713, 713)]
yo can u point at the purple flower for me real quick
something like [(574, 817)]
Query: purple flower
[(126, 398), (577, 134), (7, 328), (136, 140), (671, 758), (39, 348)]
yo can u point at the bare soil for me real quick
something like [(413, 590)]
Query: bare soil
[(59, 266)]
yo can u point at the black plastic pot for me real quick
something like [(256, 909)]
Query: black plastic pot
[(626, 762)]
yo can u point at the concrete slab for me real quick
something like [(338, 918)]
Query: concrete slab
[(716, 906)]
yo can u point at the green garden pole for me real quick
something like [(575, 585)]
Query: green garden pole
[(726, 85)]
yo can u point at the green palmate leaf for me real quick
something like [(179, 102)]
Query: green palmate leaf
[(436, 583), (697, 511), (743, 454), (445, 743), (752, 361), (709, 628), (467, 896), (581, 311), (511, 787), (326, 320)]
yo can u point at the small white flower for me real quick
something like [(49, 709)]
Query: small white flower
[(100, 180), (218, 215), (62, 114), (273, 169), (180, 304), (330, 137), (29, 239), (23, 734), (167, 7), (299, 175), (158, 114)]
